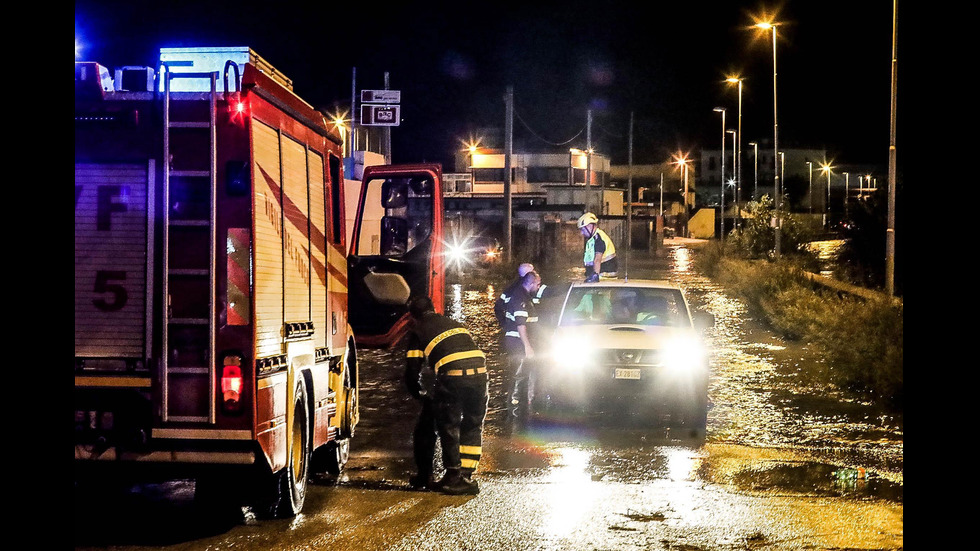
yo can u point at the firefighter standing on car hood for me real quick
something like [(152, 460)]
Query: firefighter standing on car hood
[(460, 391), (600, 252)]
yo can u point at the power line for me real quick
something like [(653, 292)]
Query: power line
[(536, 135)]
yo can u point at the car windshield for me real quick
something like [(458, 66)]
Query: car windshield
[(632, 305)]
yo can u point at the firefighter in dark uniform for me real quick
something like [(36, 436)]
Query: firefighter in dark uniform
[(460, 397), (519, 313), (421, 383), (500, 304)]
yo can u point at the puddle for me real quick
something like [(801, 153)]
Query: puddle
[(818, 479)]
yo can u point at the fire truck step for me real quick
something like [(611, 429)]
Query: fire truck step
[(190, 173), (188, 321)]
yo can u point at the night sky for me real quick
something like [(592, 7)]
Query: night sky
[(665, 63)]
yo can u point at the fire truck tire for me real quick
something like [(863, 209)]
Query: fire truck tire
[(349, 412), (292, 480)]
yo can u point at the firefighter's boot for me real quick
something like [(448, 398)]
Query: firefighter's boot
[(454, 483), (421, 481)]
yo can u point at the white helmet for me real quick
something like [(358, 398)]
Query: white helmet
[(586, 219)]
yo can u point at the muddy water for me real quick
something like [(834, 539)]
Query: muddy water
[(755, 399), (763, 477)]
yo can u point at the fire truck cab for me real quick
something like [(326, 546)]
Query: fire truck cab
[(212, 331)]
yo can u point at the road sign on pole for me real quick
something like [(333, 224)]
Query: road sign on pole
[(380, 115), (381, 96)]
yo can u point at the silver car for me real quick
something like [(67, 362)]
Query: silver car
[(627, 346)]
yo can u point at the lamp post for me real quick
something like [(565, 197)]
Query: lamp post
[(341, 125), (847, 185), (755, 159), (572, 154), (809, 166), (681, 160), (734, 134), (738, 152), (473, 148), (767, 26), (826, 168), (722, 111)]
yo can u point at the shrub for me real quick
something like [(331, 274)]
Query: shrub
[(859, 340)]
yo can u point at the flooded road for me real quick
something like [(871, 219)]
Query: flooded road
[(780, 467)]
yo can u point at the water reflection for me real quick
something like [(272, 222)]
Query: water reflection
[(456, 303), (827, 252), (569, 484)]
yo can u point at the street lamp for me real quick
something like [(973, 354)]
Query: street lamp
[(847, 186), (681, 160), (738, 151), (572, 153), (826, 168), (755, 158), (340, 123), (733, 181), (722, 111), (767, 26), (809, 165)]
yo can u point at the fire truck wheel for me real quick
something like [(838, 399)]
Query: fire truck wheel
[(293, 479), (349, 413)]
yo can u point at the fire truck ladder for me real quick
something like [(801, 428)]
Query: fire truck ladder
[(189, 250)]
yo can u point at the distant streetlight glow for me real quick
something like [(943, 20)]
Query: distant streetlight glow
[(722, 111), (681, 160), (827, 169), (339, 121), (770, 26), (738, 152), (809, 166)]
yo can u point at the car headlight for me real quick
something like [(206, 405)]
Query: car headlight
[(571, 353), (684, 354)]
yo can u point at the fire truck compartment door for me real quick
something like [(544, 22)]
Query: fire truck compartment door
[(112, 255)]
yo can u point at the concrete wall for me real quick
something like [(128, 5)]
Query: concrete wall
[(702, 224)]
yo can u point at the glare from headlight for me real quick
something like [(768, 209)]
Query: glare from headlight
[(683, 354), (571, 354), (456, 253)]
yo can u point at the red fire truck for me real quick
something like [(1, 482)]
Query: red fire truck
[(213, 298)]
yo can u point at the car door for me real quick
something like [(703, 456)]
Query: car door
[(396, 250)]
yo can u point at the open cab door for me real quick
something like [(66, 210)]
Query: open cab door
[(396, 250)]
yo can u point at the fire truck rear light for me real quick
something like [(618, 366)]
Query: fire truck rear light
[(237, 109), (232, 384)]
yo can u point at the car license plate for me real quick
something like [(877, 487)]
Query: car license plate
[(627, 373)]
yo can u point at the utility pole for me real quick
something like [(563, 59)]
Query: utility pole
[(353, 112), (508, 151), (629, 200), (661, 194), (387, 130), (588, 161), (890, 231)]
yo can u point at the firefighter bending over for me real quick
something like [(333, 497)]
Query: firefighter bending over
[(460, 391)]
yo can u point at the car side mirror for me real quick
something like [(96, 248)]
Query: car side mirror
[(394, 236), (394, 194)]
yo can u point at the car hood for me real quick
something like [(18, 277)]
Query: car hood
[(620, 336)]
